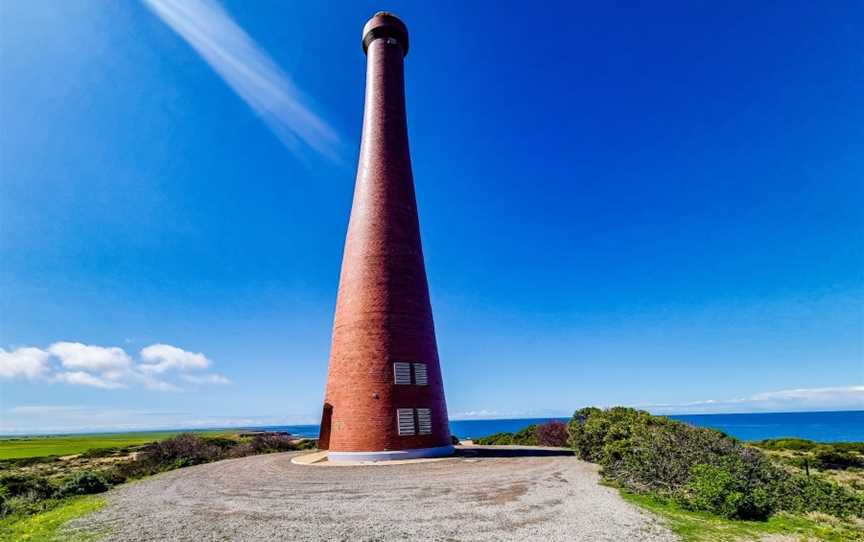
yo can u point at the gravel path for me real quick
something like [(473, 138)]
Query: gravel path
[(473, 497)]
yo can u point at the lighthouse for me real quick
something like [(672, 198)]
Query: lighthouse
[(385, 395)]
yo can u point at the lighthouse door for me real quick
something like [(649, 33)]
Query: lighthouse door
[(324, 434)]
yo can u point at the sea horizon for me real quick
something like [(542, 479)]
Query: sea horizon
[(817, 425)]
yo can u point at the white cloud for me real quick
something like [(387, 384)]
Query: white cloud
[(158, 385), (799, 399), (26, 362), (249, 71), (849, 393), (81, 378), (206, 379), (91, 358), (108, 368), (159, 358)]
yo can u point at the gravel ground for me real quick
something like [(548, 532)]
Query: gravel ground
[(482, 495)]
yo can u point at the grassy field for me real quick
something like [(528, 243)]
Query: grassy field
[(45, 527), (702, 527), (60, 445)]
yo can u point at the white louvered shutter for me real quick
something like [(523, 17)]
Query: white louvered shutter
[(424, 421), (405, 421), (420, 377), (402, 373)]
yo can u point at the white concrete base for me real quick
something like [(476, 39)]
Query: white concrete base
[(391, 455)]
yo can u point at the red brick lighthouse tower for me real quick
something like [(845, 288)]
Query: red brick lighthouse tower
[(385, 396)]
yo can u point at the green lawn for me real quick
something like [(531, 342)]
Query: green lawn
[(699, 527), (20, 447), (44, 527)]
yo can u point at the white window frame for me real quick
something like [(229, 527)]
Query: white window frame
[(402, 373), (420, 369), (424, 421), (405, 424)]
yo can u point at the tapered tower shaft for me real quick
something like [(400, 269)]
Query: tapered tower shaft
[(385, 395)]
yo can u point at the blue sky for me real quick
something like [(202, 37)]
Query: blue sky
[(621, 203)]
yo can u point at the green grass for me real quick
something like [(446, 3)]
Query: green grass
[(45, 527), (54, 445), (700, 527)]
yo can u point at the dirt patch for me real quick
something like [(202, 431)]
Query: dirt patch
[(501, 495)]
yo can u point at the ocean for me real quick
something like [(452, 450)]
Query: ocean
[(818, 426)]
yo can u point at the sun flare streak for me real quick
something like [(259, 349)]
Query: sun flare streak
[(250, 72)]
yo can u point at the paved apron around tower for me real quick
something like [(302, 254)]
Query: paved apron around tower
[(483, 497)]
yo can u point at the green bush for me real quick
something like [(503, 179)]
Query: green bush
[(802, 493), (495, 439), (265, 444), (524, 437), (702, 469), (849, 446), (26, 485), (180, 451), (305, 444), (25, 494), (222, 442), (833, 459), (83, 483), (798, 444), (728, 492)]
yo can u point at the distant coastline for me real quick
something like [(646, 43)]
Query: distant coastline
[(822, 426)]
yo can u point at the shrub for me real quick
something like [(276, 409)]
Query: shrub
[(524, 437), (305, 444), (25, 494), (813, 494), (132, 470), (553, 433), (223, 443), (731, 491), (649, 453), (798, 444), (832, 459), (265, 444), (104, 452), (84, 483), (26, 485), (495, 439), (182, 450), (702, 469)]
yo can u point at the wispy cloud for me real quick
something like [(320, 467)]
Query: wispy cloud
[(45, 409), (799, 399), (206, 379), (86, 379), (250, 72), (790, 400)]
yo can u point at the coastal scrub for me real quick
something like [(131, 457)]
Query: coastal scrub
[(701, 469)]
